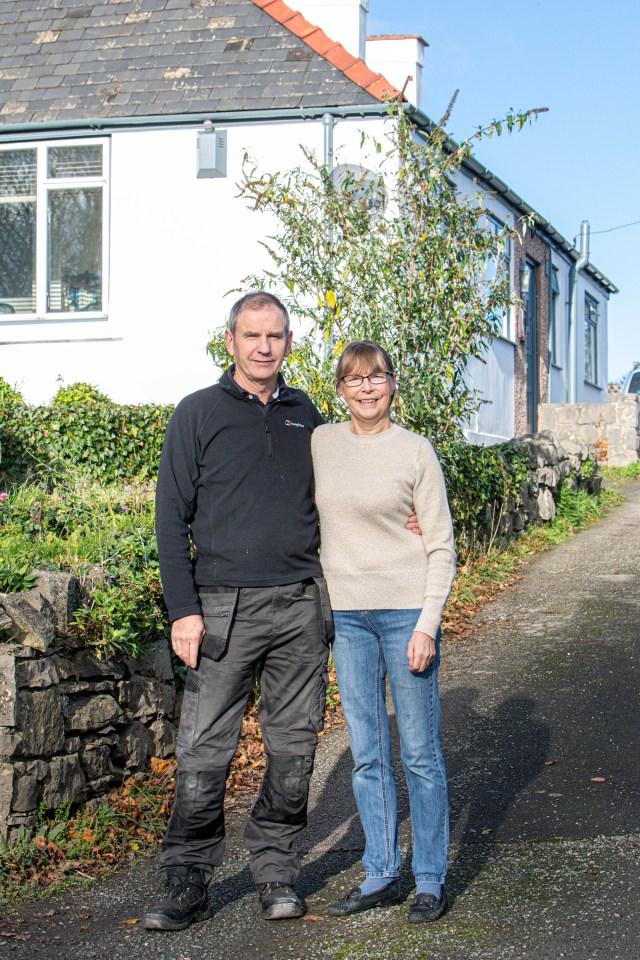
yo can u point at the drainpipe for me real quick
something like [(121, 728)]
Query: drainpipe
[(328, 122), (581, 262)]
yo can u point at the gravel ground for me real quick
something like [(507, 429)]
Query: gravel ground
[(542, 699)]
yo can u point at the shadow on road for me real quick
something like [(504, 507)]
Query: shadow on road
[(491, 756), (494, 756)]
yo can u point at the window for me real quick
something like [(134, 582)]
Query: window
[(53, 230), (591, 339), (499, 269), (554, 293)]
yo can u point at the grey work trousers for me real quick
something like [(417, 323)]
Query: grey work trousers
[(284, 631)]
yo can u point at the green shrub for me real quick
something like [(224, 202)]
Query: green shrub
[(482, 483), (119, 619), (16, 575), (78, 395), (103, 440), (9, 397)]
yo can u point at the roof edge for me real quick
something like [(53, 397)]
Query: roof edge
[(354, 68), (479, 171)]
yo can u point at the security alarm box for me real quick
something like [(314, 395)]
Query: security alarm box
[(212, 153)]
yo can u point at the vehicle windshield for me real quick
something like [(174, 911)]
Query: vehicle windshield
[(634, 385)]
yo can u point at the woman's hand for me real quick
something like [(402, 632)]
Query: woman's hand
[(421, 651)]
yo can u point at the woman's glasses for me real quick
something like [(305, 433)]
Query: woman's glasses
[(375, 379)]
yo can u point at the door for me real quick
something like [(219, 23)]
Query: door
[(530, 299)]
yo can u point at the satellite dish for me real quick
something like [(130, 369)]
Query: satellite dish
[(364, 186)]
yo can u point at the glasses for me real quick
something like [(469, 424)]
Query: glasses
[(375, 379)]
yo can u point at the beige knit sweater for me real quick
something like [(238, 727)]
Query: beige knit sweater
[(365, 489)]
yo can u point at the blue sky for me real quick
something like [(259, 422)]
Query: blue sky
[(581, 160)]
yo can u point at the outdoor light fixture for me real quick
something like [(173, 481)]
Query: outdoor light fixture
[(212, 152), (525, 280)]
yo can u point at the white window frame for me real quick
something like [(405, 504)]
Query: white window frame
[(496, 225), (554, 299), (45, 184), (591, 311)]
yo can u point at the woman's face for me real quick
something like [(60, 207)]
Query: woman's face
[(368, 402)]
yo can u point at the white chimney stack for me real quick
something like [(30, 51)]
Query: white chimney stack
[(396, 58), (342, 20)]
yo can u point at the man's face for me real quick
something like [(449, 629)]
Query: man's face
[(258, 346)]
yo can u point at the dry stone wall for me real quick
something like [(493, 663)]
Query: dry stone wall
[(610, 429), (552, 462), (71, 726)]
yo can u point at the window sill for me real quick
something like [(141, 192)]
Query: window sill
[(589, 383), (24, 319), (556, 366), (505, 339)]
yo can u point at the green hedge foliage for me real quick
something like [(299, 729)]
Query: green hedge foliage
[(482, 482), (81, 429)]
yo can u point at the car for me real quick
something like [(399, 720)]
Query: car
[(631, 383)]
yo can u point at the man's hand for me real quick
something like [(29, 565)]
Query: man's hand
[(413, 525), (421, 651), (186, 637)]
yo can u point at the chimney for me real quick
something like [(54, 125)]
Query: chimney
[(397, 57), (342, 20)]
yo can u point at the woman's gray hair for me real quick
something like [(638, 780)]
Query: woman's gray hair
[(254, 301)]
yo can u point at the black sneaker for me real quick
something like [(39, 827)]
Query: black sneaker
[(185, 902), (426, 908), (279, 901), (356, 901)]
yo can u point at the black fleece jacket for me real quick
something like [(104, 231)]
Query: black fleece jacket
[(233, 501)]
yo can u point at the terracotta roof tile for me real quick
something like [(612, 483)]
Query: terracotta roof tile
[(354, 68), (299, 26)]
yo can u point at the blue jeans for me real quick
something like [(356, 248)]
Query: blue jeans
[(370, 645)]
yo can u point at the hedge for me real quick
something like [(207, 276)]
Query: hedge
[(104, 440), (110, 443)]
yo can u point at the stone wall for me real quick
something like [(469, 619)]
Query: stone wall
[(551, 463), (71, 726), (610, 429)]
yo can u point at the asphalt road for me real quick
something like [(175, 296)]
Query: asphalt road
[(540, 731)]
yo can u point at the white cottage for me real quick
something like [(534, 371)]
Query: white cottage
[(123, 126)]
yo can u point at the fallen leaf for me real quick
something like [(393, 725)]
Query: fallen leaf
[(14, 936), (549, 763), (130, 922), (598, 779), (312, 917), (487, 830)]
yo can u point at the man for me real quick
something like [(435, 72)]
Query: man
[(238, 545)]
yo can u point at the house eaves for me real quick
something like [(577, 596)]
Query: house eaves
[(479, 172)]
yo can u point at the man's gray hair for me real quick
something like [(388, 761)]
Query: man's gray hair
[(254, 301)]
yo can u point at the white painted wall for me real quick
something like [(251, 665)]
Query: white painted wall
[(177, 246), (493, 379)]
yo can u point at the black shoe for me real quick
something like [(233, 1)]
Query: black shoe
[(426, 907), (185, 902), (355, 901), (279, 901)]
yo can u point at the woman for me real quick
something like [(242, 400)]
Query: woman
[(388, 588)]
